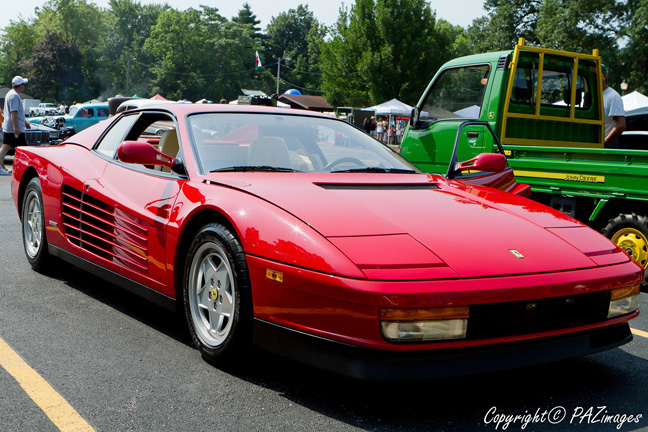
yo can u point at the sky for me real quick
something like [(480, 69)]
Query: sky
[(457, 12)]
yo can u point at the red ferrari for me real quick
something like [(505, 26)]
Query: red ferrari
[(298, 233)]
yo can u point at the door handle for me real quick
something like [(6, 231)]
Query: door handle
[(473, 134)]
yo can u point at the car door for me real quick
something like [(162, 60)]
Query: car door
[(132, 205)]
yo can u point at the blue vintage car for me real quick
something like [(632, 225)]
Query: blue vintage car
[(80, 117)]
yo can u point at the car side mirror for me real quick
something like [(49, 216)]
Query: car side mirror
[(415, 118), (137, 152), (490, 162)]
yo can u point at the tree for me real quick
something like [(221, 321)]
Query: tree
[(384, 49), (199, 54), (55, 70), (634, 61), (123, 54), (297, 35), (246, 17), (15, 46)]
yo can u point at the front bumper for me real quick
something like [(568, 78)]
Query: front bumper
[(378, 365)]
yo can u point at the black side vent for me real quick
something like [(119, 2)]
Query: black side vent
[(103, 230), (336, 186), (501, 63)]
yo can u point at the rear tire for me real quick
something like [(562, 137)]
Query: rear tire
[(33, 227), (630, 233), (216, 294)]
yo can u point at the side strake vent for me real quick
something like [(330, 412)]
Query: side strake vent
[(341, 186), (104, 231)]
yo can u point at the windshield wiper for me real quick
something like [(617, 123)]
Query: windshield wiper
[(377, 170), (247, 168)]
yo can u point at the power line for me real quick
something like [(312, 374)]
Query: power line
[(302, 88)]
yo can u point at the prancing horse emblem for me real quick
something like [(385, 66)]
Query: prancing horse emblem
[(516, 253)]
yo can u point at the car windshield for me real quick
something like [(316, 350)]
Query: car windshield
[(73, 110), (288, 143)]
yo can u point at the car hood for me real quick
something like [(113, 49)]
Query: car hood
[(387, 224)]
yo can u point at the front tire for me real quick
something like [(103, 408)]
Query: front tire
[(216, 294), (33, 227), (630, 233)]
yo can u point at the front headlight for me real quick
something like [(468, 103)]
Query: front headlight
[(623, 301), (421, 325)]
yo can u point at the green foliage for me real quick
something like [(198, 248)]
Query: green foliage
[(384, 49), (297, 35), (634, 57), (247, 17), (55, 69), (16, 45), (377, 49)]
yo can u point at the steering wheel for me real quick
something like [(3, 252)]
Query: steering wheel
[(343, 160)]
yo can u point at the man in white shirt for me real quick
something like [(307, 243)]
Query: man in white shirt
[(14, 124), (614, 113)]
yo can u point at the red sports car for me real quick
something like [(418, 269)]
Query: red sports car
[(298, 233)]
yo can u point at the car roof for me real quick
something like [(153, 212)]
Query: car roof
[(92, 105), (138, 103)]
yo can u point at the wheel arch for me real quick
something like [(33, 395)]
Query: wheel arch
[(192, 225), (616, 207), (27, 176)]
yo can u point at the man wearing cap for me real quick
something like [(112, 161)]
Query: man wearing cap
[(14, 123), (614, 113)]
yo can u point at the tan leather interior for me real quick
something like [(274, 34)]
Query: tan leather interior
[(269, 151), (169, 145)]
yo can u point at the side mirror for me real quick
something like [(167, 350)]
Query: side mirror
[(137, 152), (490, 162), (415, 118)]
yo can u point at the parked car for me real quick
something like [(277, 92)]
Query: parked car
[(298, 233), (80, 117), (138, 103), (43, 109)]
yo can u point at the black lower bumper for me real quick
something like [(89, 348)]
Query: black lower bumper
[(370, 364)]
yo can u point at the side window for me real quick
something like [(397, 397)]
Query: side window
[(457, 93), (109, 143), (89, 113), (102, 112), (157, 129)]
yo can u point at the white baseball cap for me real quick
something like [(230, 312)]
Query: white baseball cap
[(18, 80)]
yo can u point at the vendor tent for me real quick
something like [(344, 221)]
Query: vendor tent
[(392, 107), (634, 100)]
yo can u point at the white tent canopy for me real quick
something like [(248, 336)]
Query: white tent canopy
[(634, 100), (392, 107)]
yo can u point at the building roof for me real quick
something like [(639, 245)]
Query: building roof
[(311, 103), (5, 90)]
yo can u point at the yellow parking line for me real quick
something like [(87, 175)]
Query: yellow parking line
[(53, 405), (640, 332)]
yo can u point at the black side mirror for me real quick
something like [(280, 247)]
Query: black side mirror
[(415, 118)]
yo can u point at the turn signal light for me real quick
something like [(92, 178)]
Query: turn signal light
[(623, 301), (424, 324)]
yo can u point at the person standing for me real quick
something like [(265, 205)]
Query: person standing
[(614, 113), (380, 130), (14, 124)]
